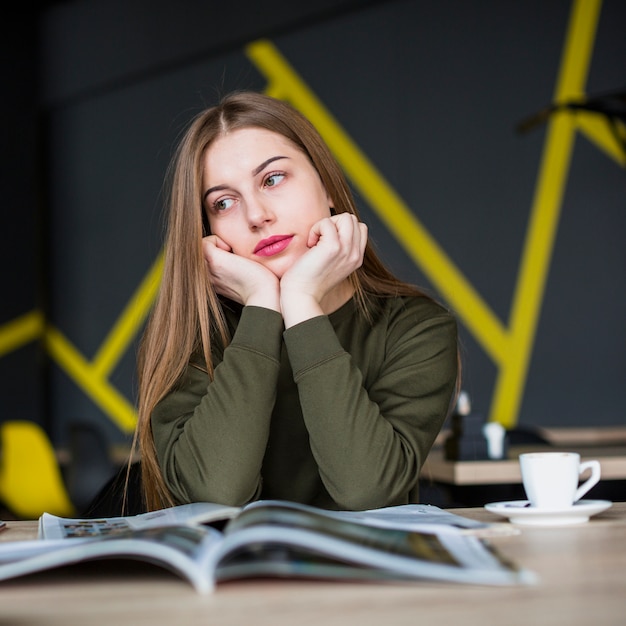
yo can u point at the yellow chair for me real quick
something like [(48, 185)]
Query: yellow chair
[(30, 477)]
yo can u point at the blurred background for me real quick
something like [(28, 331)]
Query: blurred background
[(485, 142)]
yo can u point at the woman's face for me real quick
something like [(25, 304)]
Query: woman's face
[(262, 195)]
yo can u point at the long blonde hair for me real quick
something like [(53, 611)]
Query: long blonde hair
[(188, 315)]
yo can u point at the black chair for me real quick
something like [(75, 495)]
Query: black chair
[(90, 465), (119, 497)]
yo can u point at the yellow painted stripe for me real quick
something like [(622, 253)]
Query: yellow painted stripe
[(398, 218), (99, 390), (20, 331), (129, 322), (580, 38), (509, 389)]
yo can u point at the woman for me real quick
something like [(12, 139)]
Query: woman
[(281, 359)]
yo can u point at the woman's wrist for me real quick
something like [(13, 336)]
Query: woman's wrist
[(265, 298), (298, 307)]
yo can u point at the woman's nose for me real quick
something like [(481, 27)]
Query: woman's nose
[(259, 214)]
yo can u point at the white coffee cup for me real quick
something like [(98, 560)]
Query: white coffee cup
[(551, 478)]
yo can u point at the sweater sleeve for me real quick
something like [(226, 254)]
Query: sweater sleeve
[(211, 437), (370, 437)]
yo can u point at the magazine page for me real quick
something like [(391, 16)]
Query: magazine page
[(411, 517), (464, 556), (12, 551), (291, 563), (346, 548), (179, 549), (407, 517), (53, 527), (401, 517)]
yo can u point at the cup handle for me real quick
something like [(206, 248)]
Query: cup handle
[(594, 466)]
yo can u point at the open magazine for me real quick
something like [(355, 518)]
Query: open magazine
[(274, 539), (403, 517)]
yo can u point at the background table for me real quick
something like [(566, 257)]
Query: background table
[(507, 471), (475, 482), (582, 572)]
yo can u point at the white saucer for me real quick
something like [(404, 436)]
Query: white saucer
[(519, 512)]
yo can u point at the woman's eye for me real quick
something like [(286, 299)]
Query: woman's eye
[(273, 179), (223, 204)]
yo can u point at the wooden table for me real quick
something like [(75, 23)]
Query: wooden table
[(466, 483), (582, 572), (507, 471)]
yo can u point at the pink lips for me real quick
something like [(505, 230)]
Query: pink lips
[(272, 245)]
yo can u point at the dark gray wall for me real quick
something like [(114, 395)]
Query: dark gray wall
[(21, 362), (431, 92)]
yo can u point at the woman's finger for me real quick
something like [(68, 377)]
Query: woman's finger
[(216, 241)]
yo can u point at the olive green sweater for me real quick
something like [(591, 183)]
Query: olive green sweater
[(333, 412)]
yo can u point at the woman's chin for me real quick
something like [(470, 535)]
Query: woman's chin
[(278, 272), (278, 266)]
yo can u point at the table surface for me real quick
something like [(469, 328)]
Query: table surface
[(581, 569)]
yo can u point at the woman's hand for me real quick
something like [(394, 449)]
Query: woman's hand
[(238, 278), (336, 248)]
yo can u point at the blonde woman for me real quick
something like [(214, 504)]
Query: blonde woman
[(282, 359)]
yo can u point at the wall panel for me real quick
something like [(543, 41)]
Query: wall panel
[(429, 93)]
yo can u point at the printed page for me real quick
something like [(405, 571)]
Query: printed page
[(53, 527), (347, 548), (402, 517), (180, 549), (411, 517)]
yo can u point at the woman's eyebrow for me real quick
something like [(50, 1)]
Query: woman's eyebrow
[(263, 165), (212, 189)]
